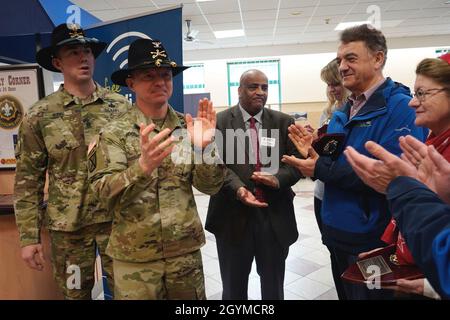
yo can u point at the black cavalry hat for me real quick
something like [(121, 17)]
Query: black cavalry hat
[(143, 54), (63, 35)]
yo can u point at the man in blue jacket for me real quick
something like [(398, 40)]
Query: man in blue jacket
[(354, 215)]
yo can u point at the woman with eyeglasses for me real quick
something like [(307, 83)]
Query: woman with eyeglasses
[(432, 101)]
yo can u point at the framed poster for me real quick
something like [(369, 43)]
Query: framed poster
[(20, 87)]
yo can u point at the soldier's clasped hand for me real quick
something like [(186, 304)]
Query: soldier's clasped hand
[(33, 255)]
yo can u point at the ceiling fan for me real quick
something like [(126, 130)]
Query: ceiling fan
[(191, 34)]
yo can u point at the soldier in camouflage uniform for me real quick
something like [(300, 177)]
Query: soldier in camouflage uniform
[(145, 176), (54, 138)]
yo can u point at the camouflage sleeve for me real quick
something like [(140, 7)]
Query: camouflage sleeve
[(114, 181), (31, 156), (209, 175)]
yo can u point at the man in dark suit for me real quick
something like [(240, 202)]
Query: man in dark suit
[(252, 216)]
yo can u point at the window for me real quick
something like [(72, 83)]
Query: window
[(194, 79), (272, 70)]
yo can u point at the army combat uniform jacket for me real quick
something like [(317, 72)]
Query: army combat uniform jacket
[(155, 216), (54, 137)]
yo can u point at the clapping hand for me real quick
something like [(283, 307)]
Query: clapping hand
[(301, 137), (153, 151), (377, 174), (249, 199), (433, 169), (266, 179), (418, 161), (305, 166), (202, 128)]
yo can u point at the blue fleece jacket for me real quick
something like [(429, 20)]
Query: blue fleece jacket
[(354, 216), (424, 220)]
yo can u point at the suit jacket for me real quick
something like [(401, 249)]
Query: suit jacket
[(227, 216)]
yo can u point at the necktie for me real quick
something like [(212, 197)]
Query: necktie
[(258, 192)]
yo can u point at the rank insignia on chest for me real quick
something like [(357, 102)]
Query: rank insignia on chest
[(92, 155), (111, 109), (92, 161)]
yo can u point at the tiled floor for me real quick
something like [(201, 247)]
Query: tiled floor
[(308, 271)]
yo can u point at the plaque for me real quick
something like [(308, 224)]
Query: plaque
[(329, 144), (366, 266), (383, 266)]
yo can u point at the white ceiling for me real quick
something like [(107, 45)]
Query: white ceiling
[(271, 22)]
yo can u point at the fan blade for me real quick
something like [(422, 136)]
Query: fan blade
[(193, 33)]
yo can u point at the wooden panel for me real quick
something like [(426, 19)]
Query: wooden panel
[(7, 181), (17, 281)]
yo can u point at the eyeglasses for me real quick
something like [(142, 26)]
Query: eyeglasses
[(421, 94)]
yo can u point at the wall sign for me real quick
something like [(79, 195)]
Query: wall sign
[(20, 87)]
